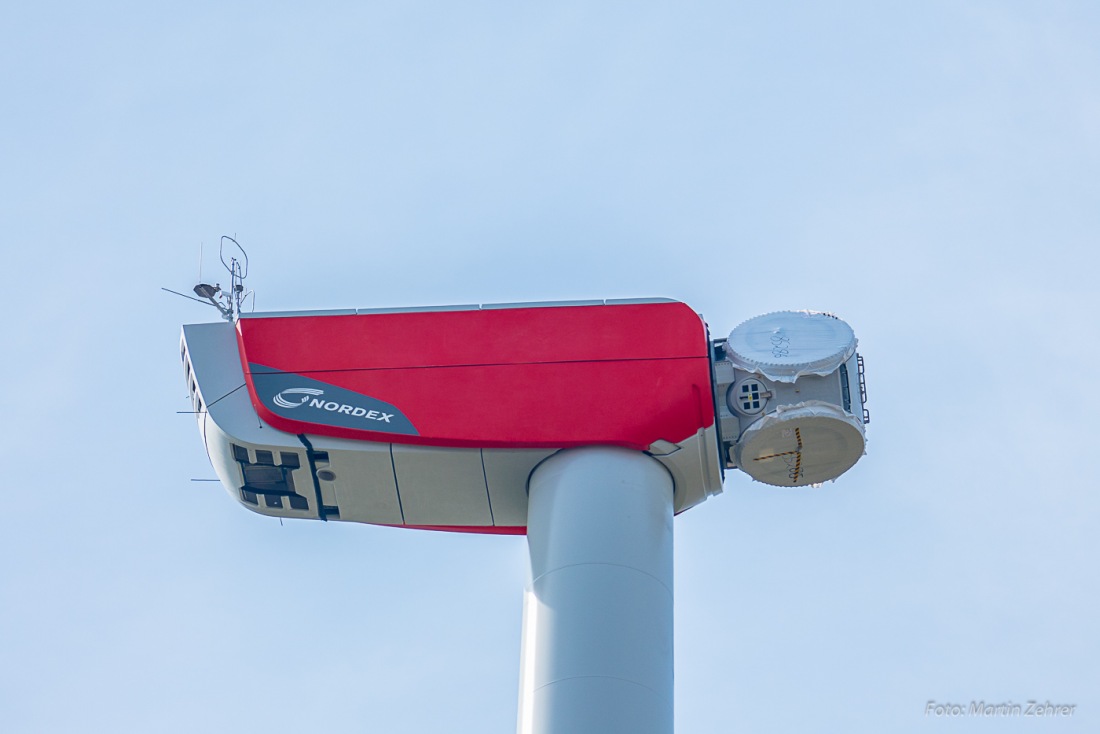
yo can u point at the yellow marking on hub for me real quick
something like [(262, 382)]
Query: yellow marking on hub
[(797, 454), (772, 456), (798, 458)]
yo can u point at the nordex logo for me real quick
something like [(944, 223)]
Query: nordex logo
[(295, 397), (301, 396)]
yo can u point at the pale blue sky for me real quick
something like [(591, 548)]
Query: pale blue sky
[(926, 170)]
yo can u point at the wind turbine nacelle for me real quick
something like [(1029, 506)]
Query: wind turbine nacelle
[(435, 418)]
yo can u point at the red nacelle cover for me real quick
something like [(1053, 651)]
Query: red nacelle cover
[(524, 377)]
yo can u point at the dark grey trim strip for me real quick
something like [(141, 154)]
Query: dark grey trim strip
[(321, 514), (397, 486), (485, 477)]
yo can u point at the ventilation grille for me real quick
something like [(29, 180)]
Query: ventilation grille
[(192, 383), (263, 478)]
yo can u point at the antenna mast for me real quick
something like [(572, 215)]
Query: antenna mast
[(228, 302)]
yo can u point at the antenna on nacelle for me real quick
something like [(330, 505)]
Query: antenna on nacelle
[(231, 301)]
